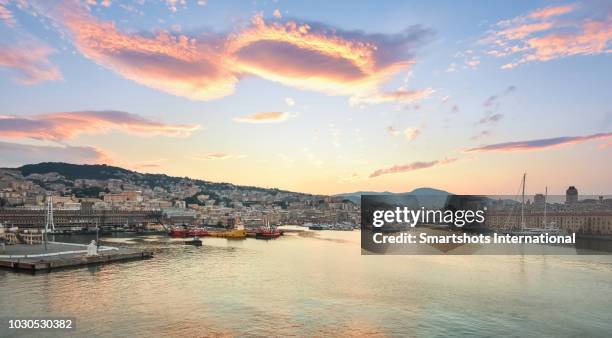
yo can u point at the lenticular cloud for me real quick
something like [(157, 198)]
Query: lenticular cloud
[(309, 56)]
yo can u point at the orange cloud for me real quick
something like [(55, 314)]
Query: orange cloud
[(66, 125), (6, 15), (542, 36), (319, 58), (30, 62), (402, 168), (550, 12), (401, 95), (178, 65), (595, 37), (540, 144), (411, 133), (302, 55), (264, 117), (521, 31)]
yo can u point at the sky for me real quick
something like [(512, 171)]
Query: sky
[(320, 97)]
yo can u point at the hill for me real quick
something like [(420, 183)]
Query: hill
[(104, 172), (422, 193), (84, 180), (75, 171)]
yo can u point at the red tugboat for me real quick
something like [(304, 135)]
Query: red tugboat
[(178, 232), (268, 233)]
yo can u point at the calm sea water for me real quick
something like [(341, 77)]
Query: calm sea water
[(318, 284)]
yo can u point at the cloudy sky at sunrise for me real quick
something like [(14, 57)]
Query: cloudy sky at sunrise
[(320, 97)]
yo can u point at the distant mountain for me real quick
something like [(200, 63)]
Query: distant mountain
[(428, 195)]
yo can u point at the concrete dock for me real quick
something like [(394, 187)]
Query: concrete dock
[(34, 258)]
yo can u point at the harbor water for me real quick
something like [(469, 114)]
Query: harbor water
[(316, 283)]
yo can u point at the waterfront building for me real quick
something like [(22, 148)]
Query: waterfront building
[(78, 219), (178, 216), (582, 222)]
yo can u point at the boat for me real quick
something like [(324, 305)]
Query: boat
[(182, 232), (547, 229), (344, 226), (316, 227), (232, 234), (194, 241), (179, 232), (197, 232), (268, 233)]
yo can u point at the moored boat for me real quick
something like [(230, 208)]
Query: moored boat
[(182, 232), (194, 241), (234, 234), (197, 232), (268, 233), (179, 232)]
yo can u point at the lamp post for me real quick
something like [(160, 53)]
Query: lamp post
[(97, 233)]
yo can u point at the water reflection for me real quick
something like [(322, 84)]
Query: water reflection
[(318, 284)]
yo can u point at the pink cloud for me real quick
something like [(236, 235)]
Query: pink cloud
[(6, 15), (30, 62), (401, 96), (178, 65), (15, 154), (542, 36), (264, 117), (402, 168), (551, 11), (521, 31), (150, 164), (216, 156), (310, 56), (316, 57), (594, 37), (540, 144), (66, 125)]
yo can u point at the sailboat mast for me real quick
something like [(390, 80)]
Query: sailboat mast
[(523, 204), (545, 202)]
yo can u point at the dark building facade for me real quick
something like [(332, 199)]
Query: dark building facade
[(79, 219), (571, 195)]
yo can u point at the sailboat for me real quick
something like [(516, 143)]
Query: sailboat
[(550, 229)]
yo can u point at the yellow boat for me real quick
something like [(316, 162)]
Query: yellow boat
[(235, 233)]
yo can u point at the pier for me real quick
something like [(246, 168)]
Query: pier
[(34, 258)]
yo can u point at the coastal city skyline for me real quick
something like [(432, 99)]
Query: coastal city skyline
[(204, 168), (300, 97)]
